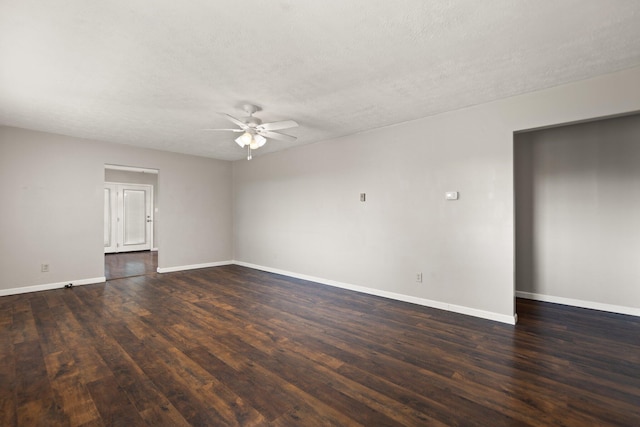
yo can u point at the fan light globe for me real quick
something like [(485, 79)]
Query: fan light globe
[(244, 139), (260, 140)]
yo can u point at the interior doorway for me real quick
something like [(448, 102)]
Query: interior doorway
[(130, 221), (577, 214)]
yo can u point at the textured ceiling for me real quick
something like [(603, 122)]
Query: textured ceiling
[(154, 73)]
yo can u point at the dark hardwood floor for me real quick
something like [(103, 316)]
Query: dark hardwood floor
[(129, 264), (233, 346)]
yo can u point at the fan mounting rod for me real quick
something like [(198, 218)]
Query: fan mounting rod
[(250, 108), (251, 121)]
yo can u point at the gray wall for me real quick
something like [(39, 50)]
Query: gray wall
[(578, 212), (52, 209), (128, 177), (298, 210)]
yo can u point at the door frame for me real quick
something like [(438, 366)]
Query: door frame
[(145, 170)]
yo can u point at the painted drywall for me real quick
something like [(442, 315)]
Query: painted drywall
[(128, 177), (299, 211), (578, 212), (52, 192)]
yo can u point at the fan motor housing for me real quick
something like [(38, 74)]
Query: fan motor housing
[(253, 121)]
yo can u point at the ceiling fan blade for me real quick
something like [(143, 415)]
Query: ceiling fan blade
[(285, 124), (232, 119), (276, 135), (230, 130)]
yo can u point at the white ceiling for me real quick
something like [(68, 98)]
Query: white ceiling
[(154, 73)]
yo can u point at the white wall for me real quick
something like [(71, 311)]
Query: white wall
[(298, 211), (52, 196), (578, 213)]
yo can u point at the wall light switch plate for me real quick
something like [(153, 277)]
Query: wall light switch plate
[(451, 195)]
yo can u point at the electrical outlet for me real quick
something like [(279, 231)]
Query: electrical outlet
[(419, 277), (451, 195), (44, 268)]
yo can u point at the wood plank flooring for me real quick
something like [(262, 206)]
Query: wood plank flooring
[(129, 264), (231, 346)]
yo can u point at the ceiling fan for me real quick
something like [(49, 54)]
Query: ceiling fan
[(254, 132)]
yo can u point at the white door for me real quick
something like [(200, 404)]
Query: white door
[(128, 217)]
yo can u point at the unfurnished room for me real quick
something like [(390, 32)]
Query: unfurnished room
[(336, 213)]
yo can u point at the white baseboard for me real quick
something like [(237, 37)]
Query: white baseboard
[(192, 266), (371, 291), (580, 303), (154, 249), (49, 286), (391, 295)]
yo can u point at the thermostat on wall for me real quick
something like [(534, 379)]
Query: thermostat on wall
[(451, 195)]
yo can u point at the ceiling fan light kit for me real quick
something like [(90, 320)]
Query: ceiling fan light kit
[(254, 132)]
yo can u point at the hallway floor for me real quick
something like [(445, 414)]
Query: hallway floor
[(129, 264)]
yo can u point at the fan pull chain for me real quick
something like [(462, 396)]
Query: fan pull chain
[(248, 152)]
